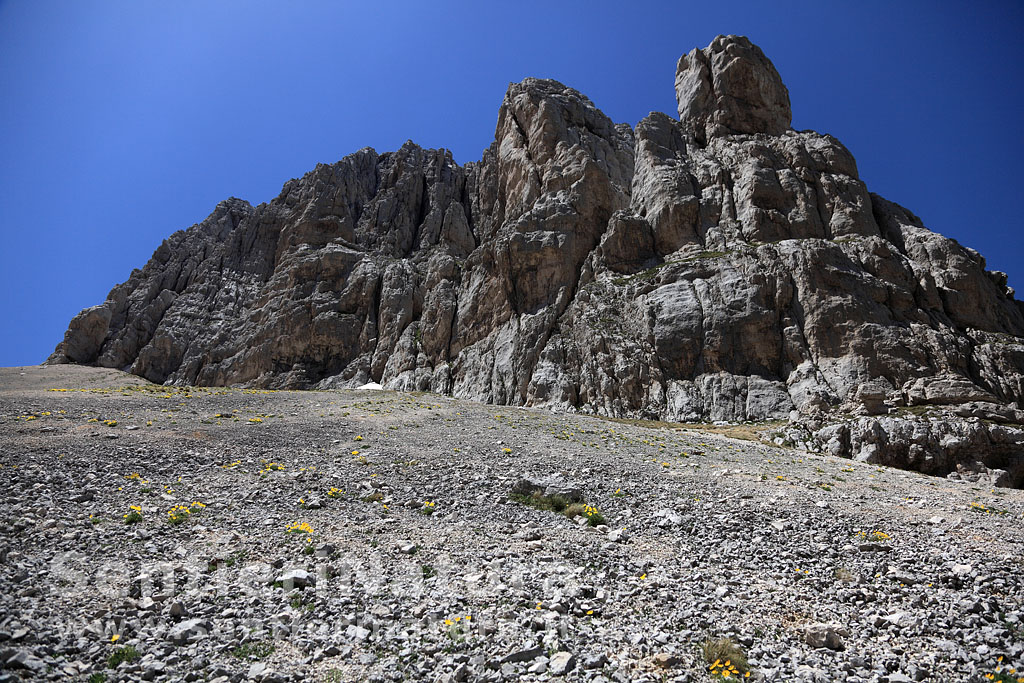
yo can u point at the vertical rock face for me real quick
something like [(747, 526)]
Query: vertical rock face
[(719, 266)]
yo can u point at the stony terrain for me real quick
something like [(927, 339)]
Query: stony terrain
[(425, 565), (718, 266)]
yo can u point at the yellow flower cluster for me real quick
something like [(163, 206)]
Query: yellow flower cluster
[(110, 423), (271, 467), (299, 528), (874, 535), (452, 622), (255, 420), (335, 492), (1000, 675), (133, 515), (726, 670), (231, 465), (178, 514), (181, 513)]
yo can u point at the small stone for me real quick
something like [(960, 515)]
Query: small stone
[(900, 619), (23, 659), (873, 548), (663, 660), (187, 631), (618, 536), (526, 655), (296, 578), (357, 633), (529, 535), (898, 678), (561, 663), (668, 517), (153, 670), (824, 635)]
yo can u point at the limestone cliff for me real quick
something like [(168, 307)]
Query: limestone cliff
[(720, 266)]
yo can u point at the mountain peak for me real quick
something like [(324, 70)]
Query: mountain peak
[(716, 267), (731, 87)]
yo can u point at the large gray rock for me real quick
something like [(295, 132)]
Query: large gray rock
[(86, 335), (717, 267)]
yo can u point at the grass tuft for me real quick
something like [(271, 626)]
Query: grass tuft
[(725, 659), (553, 503), (253, 650), (128, 653), (560, 504)]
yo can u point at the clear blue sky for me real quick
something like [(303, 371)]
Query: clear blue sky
[(123, 121)]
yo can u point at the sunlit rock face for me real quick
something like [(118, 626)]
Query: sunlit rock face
[(719, 266)]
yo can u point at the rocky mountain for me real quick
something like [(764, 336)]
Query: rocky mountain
[(718, 266)]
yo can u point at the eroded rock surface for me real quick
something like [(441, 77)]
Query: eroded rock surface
[(717, 267)]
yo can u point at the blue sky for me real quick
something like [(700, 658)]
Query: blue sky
[(123, 121)]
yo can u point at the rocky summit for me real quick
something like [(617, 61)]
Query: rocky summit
[(716, 267)]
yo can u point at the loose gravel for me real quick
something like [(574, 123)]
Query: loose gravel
[(370, 535)]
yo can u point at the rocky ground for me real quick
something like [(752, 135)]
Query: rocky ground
[(410, 557)]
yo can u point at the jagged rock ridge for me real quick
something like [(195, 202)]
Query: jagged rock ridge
[(720, 266)]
